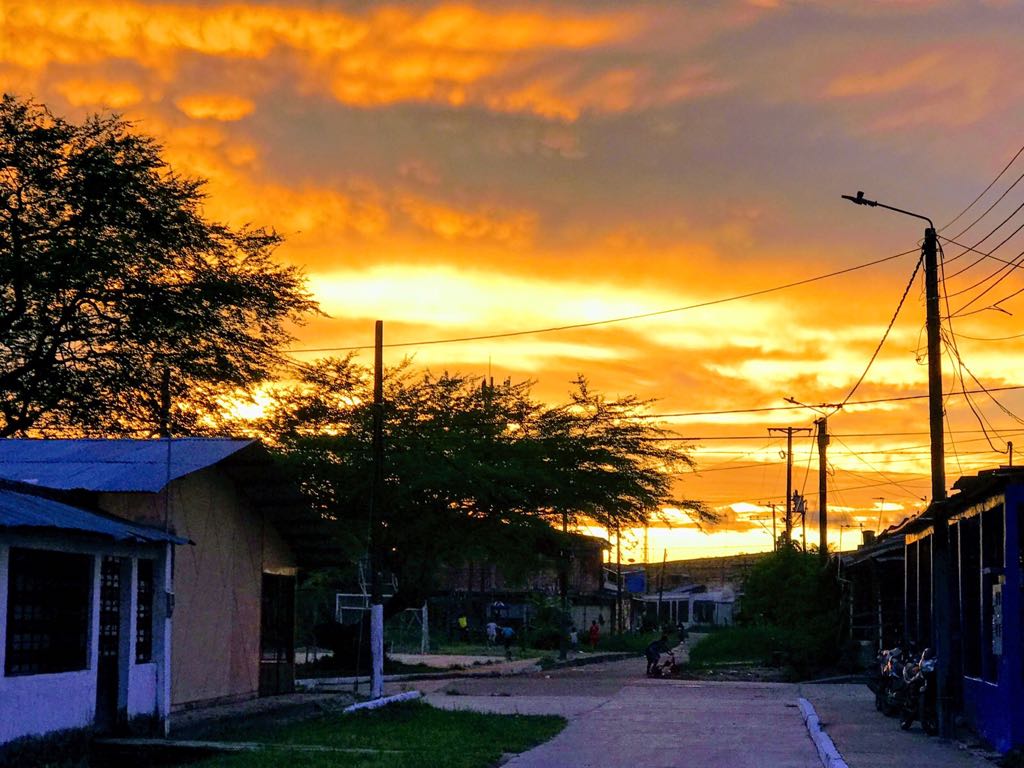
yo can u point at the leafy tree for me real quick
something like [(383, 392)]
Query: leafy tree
[(472, 472), (113, 286), (790, 591)]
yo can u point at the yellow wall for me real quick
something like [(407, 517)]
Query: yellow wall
[(216, 623)]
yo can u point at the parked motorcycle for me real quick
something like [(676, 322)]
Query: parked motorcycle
[(920, 699), (887, 682)]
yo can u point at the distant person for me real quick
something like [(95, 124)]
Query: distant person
[(594, 635), (654, 651), (683, 632), (574, 638), (464, 627), (507, 635), (492, 632)]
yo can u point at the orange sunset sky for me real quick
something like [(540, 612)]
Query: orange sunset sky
[(465, 169)]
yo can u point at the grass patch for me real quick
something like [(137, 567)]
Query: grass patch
[(419, 736), (630, 642), (761, 645)]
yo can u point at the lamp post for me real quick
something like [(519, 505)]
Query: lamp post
[(941, 592)]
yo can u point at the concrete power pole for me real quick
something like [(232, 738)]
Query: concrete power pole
[(823, 442), (376, 518), (789, 475)]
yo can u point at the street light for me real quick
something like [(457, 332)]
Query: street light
[(941, 571)]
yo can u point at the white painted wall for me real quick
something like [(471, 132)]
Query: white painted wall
[(33, 705), (142, 690)]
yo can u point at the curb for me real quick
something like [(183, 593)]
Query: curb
[(313, 684), (582, 661), (382, 702), (827, 752)]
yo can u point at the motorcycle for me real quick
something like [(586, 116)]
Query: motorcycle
[(665, 668), (887, 683), (919, 700)]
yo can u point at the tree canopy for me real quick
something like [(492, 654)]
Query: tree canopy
[(472, 471), (113, 286)]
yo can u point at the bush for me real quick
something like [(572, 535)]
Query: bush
[(796, 601)]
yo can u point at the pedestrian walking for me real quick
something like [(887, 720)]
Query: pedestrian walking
[(574, 638), (507, 634), (594, 635), (492, 632)]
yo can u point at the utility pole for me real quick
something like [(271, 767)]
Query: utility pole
[(823, 441), (377, 518), (941, 571), (165, 402), (618, 580), (775, 535), (563, 588), (789, 474)]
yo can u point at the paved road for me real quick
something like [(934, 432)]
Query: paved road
[(620, 719)]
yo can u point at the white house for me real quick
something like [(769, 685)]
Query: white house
[(691, 604), (85, 619)]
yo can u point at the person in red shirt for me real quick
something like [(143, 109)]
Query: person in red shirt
[(593, 635)]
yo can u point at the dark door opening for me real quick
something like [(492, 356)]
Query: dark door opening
[(108, 672), (277, 635)]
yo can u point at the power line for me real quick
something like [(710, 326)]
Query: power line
[(885, 335), (874, 401), (608, 321), (984, 192)]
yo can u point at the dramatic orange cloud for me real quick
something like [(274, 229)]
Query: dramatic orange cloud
[(466, 169)]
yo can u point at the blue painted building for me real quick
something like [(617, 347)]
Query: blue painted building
[(986, 540)]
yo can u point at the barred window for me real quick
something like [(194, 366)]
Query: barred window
[(48, 605), (144, 613)]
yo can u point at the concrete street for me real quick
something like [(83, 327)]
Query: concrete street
[(618, 718)]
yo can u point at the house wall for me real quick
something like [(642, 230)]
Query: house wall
[(215, 648), (34, 705), (994, 701)]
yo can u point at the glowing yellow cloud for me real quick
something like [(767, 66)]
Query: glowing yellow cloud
[(213, 106)]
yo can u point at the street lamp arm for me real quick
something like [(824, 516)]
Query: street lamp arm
[(861, 200)]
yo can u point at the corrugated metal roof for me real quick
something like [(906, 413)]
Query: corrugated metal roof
[(144, 466), (25, 512)]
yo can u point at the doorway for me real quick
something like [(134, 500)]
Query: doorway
[(109, 713)]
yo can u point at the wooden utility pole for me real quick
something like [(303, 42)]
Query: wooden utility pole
[(618, 580), (661, 583), (377, 518), (941, 571), (789, 474), (942, 604), (823, 441), (165, 402)]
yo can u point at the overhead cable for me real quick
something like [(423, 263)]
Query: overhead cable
[(609, 321)]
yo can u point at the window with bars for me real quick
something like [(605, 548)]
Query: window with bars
[(144, 613), (48, 605)]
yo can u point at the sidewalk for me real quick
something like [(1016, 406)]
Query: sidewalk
[(867, 739)]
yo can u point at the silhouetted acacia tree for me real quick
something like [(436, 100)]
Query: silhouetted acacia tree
[(473, 473), (112, 281)]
